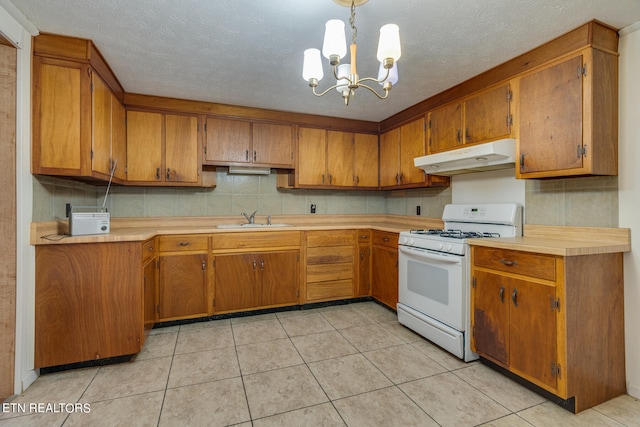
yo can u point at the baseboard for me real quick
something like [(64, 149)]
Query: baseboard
[(29, 378), (633, 390)]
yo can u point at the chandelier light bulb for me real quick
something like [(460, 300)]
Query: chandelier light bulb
[(343, 71), (393, 74), (312, 66), (389, 43), (335, 42)]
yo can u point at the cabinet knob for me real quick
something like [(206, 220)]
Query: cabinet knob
[(386, 239), (150, 248)]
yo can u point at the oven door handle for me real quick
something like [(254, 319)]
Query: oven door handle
[(428, 255)]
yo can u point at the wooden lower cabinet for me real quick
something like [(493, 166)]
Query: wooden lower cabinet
[(258, 279), (363, 284), (183, 282), (384, 267), (150, 283), (555, 321), (88, 302), (330, 264)]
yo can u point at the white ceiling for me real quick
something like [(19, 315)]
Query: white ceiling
[(249, 52)]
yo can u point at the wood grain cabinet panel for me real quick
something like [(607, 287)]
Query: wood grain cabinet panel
[(384, 268), (182, 286), (487, 115), (567, 117), (88, 302), (445, 128), (227, 141), (555, 321)]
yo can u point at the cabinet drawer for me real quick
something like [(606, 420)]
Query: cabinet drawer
[(330, 238), (148, 250), (183, 243), (257, 240), (384, 238), (525, 263), (331, 255), (364, 236), (329, 272), (329, 290)]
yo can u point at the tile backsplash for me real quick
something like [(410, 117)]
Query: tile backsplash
[(590, 201)]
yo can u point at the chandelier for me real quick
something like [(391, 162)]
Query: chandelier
[(334, 49)]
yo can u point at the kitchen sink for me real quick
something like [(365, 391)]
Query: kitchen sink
[(252, 225)]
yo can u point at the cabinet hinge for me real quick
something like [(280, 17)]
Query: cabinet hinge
[(556, 371), (509, 120), (213, 263), (205, 127), (582, 70), (429, 124), (473, 283), (297, 292), (205, 149), (429, 141), (91, 154), (555, 304), (213, 303), (509, 96), (582, 151), (157, 263), (158, 308)]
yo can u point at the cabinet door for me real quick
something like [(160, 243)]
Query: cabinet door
[(491, 296), (384, 276), (118, 139), (236, 282), (366, 160), (312, 161), (412, 145), (390, 158), (486, 115), (340, 158), (101, 125), (363, 286), (181, 148), (144, 146), (280, 277), (550, 102), (227, 141), (445, 128), (532, 334), (57, 117), (183, 286), (273, 145)]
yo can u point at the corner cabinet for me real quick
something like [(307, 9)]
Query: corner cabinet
[(78, 116), (384, 267), (163, 149), (88, 302), (398, 148), (555, 321), (567, 115)]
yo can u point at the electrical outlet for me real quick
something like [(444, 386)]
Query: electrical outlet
[(418, 210), (68, 209), (313, 208)]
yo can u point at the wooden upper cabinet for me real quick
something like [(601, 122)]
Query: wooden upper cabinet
[(445, 128), (487, 115), (77, 117), (366, 156), (412, 145), (227, 141), (162, 149), (389, 158), (272, 145), (340, 158), (312, 157), (238, 142), (568, 117)]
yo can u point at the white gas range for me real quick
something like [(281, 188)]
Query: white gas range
[(433, 282)]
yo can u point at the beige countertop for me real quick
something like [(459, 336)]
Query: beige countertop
[(564, 240), (553, 240)]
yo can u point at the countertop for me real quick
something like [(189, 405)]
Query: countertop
[(553, 240)]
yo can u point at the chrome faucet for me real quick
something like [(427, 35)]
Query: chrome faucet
[(251, 217)]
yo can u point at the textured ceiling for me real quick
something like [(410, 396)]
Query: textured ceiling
[(249, 52)]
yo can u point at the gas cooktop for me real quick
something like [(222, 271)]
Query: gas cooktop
[(455, 234)]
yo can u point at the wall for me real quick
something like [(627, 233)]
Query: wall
[(629, 194)]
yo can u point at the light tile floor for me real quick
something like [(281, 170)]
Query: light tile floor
[(349, 365)]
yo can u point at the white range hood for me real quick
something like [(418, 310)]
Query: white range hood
[(493, 155)]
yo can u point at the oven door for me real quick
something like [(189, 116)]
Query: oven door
[(434, 284)]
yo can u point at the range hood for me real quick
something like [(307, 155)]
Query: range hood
[(493, 155), (248, 170)]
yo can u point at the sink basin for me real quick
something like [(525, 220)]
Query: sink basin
[(252, 225)]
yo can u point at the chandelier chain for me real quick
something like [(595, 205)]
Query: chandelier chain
[(352, 22)]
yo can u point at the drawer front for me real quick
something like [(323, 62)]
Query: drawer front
[(148, 250), (330, 255), (329, 290), (364, 236), (329, 272), (330, 238), (384, 238), (525, 263), (191, 242), (255, 240)]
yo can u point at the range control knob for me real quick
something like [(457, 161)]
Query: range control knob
[(440, 246), (404, 240), (448, 248), (412, 241)]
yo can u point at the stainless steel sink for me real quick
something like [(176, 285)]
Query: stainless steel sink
[(252, 225)]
